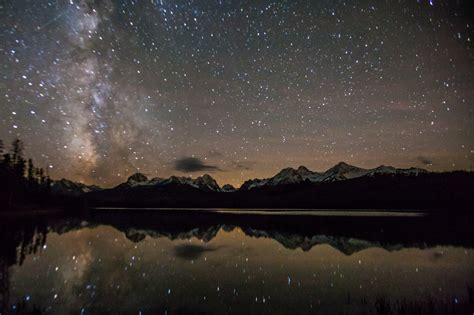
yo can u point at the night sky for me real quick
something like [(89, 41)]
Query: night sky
[(99, 90)]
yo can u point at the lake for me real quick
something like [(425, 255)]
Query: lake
[(130, 261)]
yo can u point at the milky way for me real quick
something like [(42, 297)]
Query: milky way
[(101, 89)]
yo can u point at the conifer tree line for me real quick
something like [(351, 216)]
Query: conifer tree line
[(20, 180)]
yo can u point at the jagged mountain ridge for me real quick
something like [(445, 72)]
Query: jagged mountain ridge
[(205, 182), (341, 171), (70, 188)]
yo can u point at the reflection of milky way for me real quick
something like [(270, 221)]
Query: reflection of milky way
[(101, 89), (227, 274)]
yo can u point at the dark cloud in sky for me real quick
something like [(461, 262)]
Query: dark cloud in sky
[(246, 166), (193, 164), (424, 160)]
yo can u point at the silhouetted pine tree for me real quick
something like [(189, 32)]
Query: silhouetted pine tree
[(17, 151), (42, 177), (31, 171), (48, 186), (7, 160)]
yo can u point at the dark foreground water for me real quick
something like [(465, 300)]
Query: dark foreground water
[(165, 262)]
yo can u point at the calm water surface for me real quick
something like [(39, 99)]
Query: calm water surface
[(114, 264), (286, 212)]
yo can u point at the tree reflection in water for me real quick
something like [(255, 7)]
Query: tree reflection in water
[(348, 235)]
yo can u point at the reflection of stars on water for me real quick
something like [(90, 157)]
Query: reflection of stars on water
[(313, 277)]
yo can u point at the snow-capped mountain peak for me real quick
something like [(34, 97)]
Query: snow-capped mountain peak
[(303, 170), (137, 179), (343, 171), (340, 171), (205, 182), (68, 187), (286, 176), (228, 188)]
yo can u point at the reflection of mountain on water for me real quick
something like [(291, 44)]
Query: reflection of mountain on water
[(28, 241), (347, 235), (204, 234), (348, 246), (345, 245), (302, 234)]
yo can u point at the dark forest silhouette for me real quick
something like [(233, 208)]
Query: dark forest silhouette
[(21, 182)]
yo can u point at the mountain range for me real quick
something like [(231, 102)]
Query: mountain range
[(70, 188), (340, 172), (342, 186)]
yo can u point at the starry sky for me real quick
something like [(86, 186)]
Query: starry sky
[(99, 90)]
